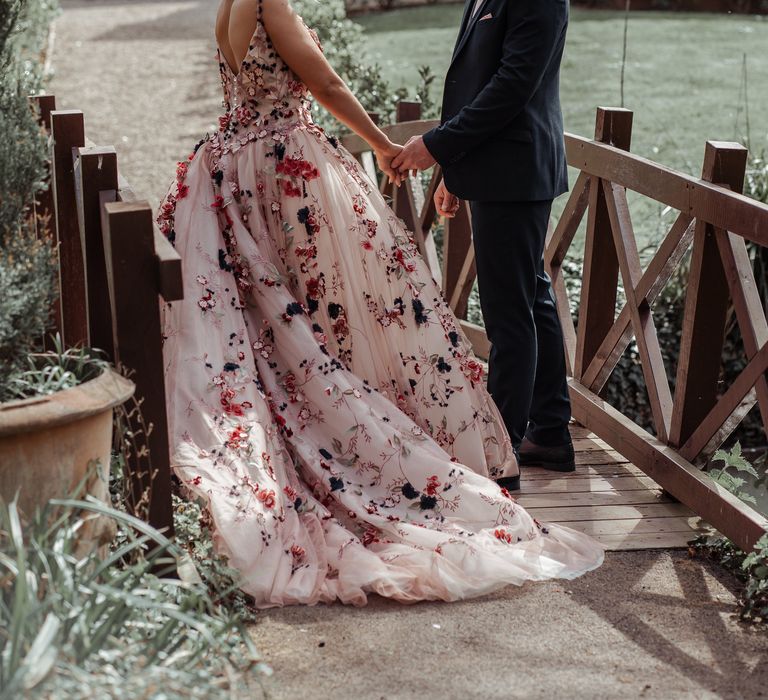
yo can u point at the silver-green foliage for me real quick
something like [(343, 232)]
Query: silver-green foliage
[(26, 261), (112, 626), (49, 372)]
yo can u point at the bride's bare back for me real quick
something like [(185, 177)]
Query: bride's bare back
[(235, 25)]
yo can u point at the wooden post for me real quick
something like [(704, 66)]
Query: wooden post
[(68, 133), (706, 305), (597, 309), (426, 222), (403, 200), (134, 284), (408, 111), (458, 260), (95, 170)]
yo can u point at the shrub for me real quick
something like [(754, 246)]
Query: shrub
[(26, 259), (752, 567), (344, 46)]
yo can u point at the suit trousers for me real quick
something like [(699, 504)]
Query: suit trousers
[(527, 373)]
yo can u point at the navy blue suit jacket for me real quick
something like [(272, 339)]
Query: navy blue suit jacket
[(501, 137)]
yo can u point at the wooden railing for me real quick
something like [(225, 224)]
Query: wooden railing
[(113, 266), (717, 221)]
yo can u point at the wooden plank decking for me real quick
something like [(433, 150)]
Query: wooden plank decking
[(608, 498)]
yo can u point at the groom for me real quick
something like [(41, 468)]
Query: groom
[(500, 147)]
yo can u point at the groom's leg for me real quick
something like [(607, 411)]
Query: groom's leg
[(550, 406), (509, 244)]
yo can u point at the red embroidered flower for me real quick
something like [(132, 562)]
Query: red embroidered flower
[(207, 302), (472, 370), (340, 327), (296, 167), (503, 535), (267, 498), (168, 208), (183, 191), (289, 382), (218, 202), (298, 552), (316, 287), (407, 265), (358, 204), (309, 251), (224, 121), (290, 190), (432, 485), (296, 88), (243, 115)]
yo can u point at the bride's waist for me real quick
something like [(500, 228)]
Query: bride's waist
[(242, 125), (249, 118)]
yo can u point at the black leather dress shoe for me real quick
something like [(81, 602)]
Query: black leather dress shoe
[(556, 459), (511, 483)]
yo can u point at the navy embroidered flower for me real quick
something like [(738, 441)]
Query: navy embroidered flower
[(427, 502), (409, 492), (418, 311)]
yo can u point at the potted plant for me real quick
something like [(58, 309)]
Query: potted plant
[(57, 426)]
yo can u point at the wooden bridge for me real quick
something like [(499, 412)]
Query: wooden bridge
[(631, 490)]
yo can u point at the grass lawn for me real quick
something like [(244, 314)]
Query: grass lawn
[(684, 77)]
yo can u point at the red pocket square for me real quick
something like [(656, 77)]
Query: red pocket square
[(488, 16)]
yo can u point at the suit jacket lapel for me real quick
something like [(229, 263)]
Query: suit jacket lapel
[(467, 24), (466, 17)]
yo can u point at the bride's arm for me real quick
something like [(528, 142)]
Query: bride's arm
[(298, 49)]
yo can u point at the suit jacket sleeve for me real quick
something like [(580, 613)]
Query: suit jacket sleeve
[(530, 40)]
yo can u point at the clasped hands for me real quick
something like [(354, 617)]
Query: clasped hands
[(397, 162)]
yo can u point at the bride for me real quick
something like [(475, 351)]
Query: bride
[(322, 398)]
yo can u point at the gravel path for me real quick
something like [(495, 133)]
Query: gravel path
[(145, 76), (646, 625)]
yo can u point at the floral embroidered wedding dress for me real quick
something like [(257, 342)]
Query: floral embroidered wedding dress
[(322, 399)]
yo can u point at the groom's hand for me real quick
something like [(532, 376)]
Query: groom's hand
[(446, 203), (413, 157)]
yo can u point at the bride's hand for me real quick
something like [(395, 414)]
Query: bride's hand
[(384, 158)]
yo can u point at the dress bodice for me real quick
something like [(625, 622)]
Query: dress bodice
[(265, 99)]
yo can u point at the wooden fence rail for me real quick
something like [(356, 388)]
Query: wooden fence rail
[(716, 221), (114, 265)]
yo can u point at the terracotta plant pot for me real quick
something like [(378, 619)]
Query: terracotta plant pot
[(48, 443)]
